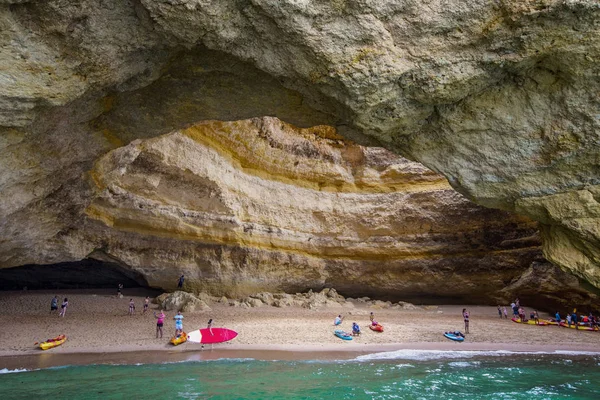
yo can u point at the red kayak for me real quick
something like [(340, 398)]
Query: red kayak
[(376, 328), (210, 336)]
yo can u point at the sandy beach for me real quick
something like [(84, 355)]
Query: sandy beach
[(99, 329)]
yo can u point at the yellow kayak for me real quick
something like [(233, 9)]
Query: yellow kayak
[(580, 327), (531, 322), (179, 339), (50, 343)]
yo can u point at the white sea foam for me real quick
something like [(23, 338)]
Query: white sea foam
[(12, 371), (463, 364), (424, 355)]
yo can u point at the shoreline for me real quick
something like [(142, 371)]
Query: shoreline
[(99, 330), (34, 360)]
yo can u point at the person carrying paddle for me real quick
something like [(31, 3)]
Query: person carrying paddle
[(465, 314)]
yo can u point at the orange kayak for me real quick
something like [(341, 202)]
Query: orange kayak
[(50, 343), (179, 339)]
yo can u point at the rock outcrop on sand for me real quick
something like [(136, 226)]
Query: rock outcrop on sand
[(500, 97), (326, 298)]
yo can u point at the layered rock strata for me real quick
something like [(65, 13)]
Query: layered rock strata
[(258, 205), (500, 97)]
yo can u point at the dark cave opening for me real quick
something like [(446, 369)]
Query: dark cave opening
[(84, 274)]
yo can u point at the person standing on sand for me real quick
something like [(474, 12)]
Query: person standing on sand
[(180, 282), (465, 314), (371, 317), (499, 312), (131, 307), (178, 323), (146, 302), (557, 317), (505, 313), (54, 304), (160, 320), (209, 326), (63, 307), (120, 290)]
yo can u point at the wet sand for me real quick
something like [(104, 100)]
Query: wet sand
[(99, 330)]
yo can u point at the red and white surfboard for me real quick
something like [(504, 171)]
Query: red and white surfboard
[(210, 336)]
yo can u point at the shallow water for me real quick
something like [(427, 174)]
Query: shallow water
[(393, 375)]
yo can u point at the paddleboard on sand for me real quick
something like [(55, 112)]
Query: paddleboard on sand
[(210, 336)]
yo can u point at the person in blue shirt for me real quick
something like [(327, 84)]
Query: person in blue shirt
[(178, 324), (355, 329), (54, 304), (557, 317)]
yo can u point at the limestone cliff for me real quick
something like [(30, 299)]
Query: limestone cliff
[(500, 97), (254, 205)]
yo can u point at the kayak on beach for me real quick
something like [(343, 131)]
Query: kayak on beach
[(376, 328), (177, 340), (50, 343), (579, 327), (342, 335), (456, 336), (211, 336), (530, 322)]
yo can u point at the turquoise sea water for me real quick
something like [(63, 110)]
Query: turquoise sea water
[(394, 375)]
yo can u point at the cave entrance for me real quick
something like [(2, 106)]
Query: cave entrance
[(84, 274)]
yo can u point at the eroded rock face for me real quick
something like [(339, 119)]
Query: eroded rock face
[(259, 205), (500, 97)]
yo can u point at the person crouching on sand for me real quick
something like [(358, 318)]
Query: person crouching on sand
[(338, 320), (160, 320), (465, 314), (355, 329)]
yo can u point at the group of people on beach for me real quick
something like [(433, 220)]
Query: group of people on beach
[(132, 305), (571, 318), (355, 327), (63, 306), (582, 320)]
